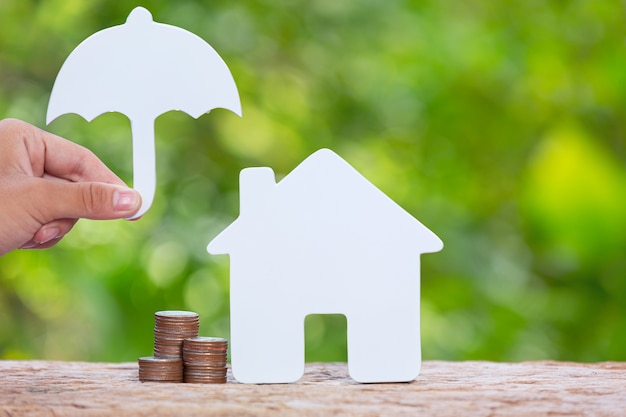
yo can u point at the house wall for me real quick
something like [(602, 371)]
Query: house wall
[(379, 294)]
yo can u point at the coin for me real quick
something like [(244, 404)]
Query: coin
[(180, 355), (171, 328), (204, 360), (153, 369), (175, 314)]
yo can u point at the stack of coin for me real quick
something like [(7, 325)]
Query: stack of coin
[(172, 327), (205, 360), (153, 369)]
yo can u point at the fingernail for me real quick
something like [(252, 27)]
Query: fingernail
[(29, 245), (48, 234), (124, 200)]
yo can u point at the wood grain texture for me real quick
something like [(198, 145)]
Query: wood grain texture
[(47, 388)]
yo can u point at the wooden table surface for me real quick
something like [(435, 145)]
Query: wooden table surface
[(48, 388)]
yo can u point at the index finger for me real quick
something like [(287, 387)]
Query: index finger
[(73, 162)]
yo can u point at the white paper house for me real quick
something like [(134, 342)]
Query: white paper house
[(323, 240)]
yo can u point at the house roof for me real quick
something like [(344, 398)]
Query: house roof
[(326, 197)]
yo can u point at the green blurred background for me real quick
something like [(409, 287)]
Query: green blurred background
[(499, 124)]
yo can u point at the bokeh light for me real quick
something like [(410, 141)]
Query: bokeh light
[(499, 125)]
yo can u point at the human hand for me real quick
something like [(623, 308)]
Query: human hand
[(47, 183)]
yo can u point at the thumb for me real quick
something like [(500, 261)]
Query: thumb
[(89, 200)]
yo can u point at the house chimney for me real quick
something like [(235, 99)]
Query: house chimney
[(256, 186)]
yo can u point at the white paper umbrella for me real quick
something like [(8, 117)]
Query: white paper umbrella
[(143, 69)]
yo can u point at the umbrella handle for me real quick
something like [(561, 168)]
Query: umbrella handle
[(144, 163)]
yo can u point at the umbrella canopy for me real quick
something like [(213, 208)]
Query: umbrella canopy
[(143, 69)]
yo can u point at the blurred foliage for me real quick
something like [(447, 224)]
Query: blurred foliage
[(498, 124)]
